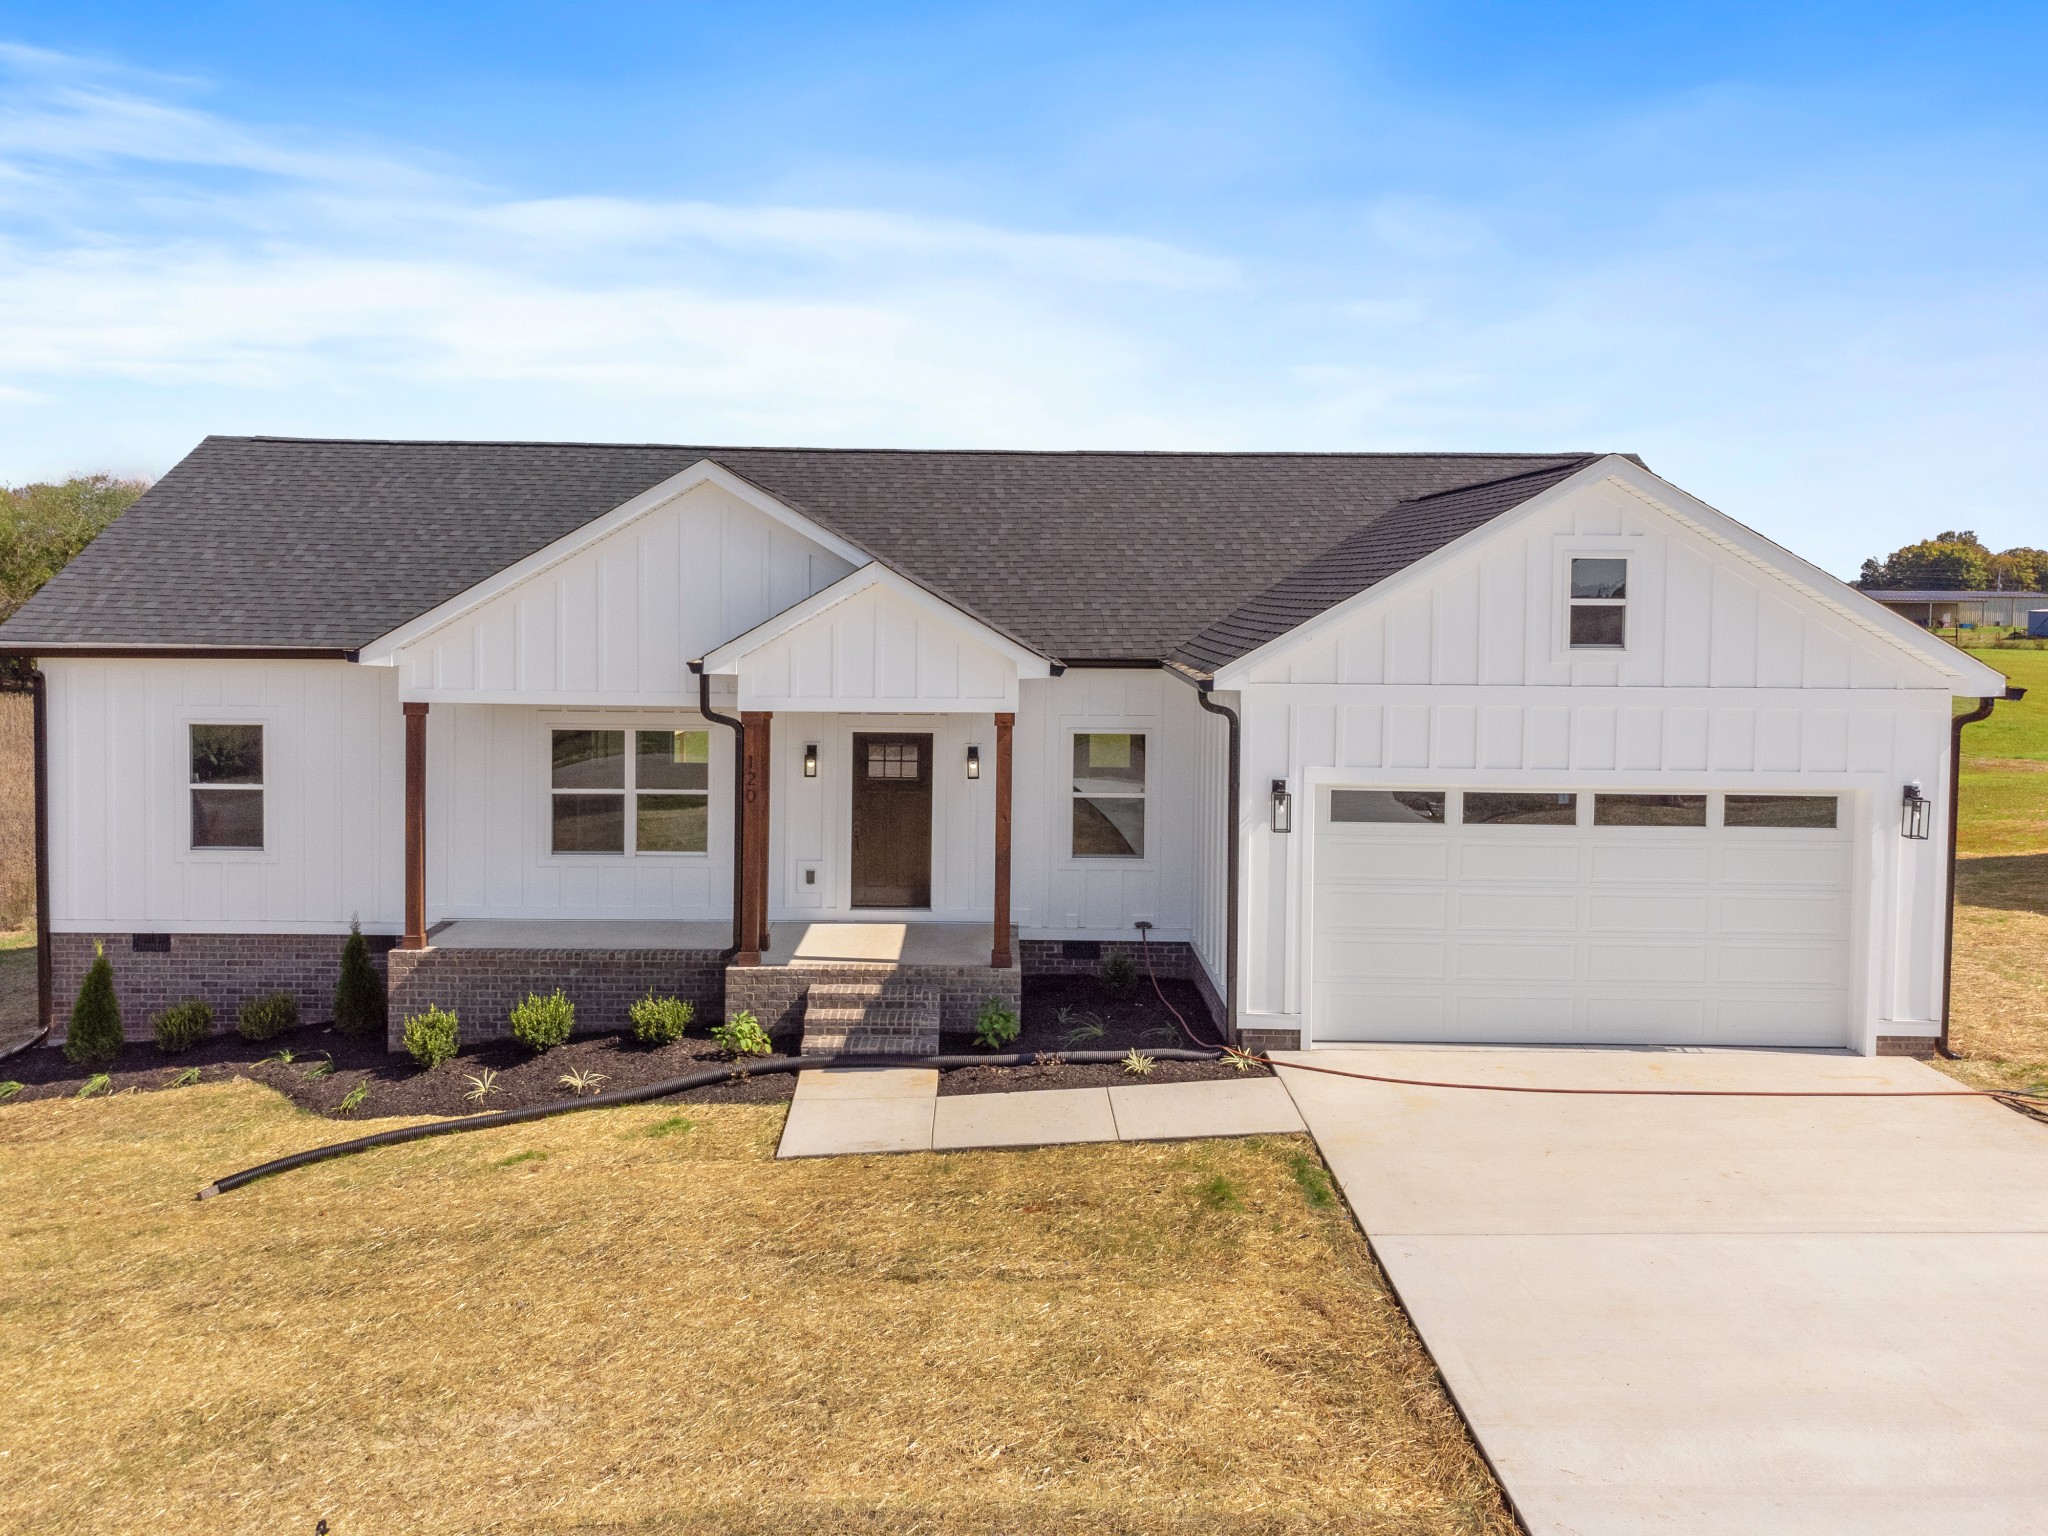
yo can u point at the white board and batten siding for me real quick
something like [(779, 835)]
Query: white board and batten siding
[(121, 858), (618, 621), (490, 834), (878, 650), (1457, 675)]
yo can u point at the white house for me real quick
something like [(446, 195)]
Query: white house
[(1445, 747)]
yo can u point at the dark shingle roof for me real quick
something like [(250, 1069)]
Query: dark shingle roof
[(312, 543), (1391, 542)]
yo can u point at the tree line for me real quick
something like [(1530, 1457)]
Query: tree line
[(43, 526), (1957, 561)]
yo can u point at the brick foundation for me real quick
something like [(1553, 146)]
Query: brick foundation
[(225, 970), (480, 986), (774, 994), (1260, 1041), (1921, 1046)]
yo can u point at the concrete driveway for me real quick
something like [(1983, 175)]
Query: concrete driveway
[(1729, 1315)]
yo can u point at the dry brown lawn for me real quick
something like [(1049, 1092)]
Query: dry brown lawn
[(2000, 1022), (635, 1321)]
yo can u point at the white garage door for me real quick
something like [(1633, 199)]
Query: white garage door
[(1620, 919)]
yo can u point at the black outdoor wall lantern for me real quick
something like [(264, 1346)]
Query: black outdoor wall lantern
[(1283, 807), (810, 759), (1913, 817), (974, 762)]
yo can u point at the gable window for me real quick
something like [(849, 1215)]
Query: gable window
[(1599, 616), (1109, 795), (226, 763), (653, 799)]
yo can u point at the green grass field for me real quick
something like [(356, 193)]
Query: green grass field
[(2001, 983)]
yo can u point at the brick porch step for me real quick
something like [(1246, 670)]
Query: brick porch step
[(870, 1018)]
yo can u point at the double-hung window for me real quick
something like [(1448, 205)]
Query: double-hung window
[(1109, 795), (1599, 604), (226, 764), (631, 791)]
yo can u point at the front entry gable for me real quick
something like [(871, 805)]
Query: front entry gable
[(614, 613), (1708, 604), (876, 641)]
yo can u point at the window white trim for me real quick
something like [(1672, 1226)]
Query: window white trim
[(549, 722), (1639, 606), (1069, 794), (272, 785)]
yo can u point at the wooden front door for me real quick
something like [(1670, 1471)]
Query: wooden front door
[(892, 820)]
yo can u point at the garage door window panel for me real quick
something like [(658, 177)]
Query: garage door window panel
[(1519, 810), (1649, 810), (1780, 811), (1392, 807)]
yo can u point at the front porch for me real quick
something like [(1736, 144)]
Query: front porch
[(838, 986)]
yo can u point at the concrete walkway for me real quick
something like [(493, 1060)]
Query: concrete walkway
[(898, 1110), (1736, 1315)]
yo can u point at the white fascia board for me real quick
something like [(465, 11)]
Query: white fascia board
[(1968, 677), (725, 661), (1234, 674), (383, 651)]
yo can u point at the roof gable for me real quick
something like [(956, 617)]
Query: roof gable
[(1711, 604)]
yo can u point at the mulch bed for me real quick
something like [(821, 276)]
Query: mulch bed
[(326, 1067)]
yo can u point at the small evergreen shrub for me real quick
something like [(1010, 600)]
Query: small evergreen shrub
[(1118, 973), (94, 1033), (432, 1037), (661, 1020), (360, 1010), (267, 1017), (742, 1035), (996, 1026), (542, 1023), (182, 1026)]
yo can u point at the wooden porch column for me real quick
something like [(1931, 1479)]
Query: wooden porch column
[(999, 956), (753, 895), (415, 827)]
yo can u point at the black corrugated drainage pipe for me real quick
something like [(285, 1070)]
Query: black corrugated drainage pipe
[(674, 1085), (1955, 812), (739, 795)]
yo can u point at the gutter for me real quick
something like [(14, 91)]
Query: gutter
[(1955, 809), (1203, 687), (39, 692), (739, 799), (179, 652)]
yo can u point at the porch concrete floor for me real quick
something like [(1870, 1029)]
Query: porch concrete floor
[(885, 943), (578, 933)]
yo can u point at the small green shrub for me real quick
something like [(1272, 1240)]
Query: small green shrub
[(10, 1090), (353, 1099), (661, 1020), (186, 1078), (996, 1026), (1118, 973), (742, 1035), (360, 1009), (182, 1026), (580, 1081), (1137, 1063), (94, 1033), (542, 1023), (1077, 1029), (268, 1016), (430, 1039), (99, 1082), (481, 1086)]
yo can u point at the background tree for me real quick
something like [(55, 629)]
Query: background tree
[(1953, 561), (42, 528)]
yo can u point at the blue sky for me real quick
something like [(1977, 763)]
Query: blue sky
[(1796, 257)]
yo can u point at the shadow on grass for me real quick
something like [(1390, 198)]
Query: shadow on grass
[(2016, 881)]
